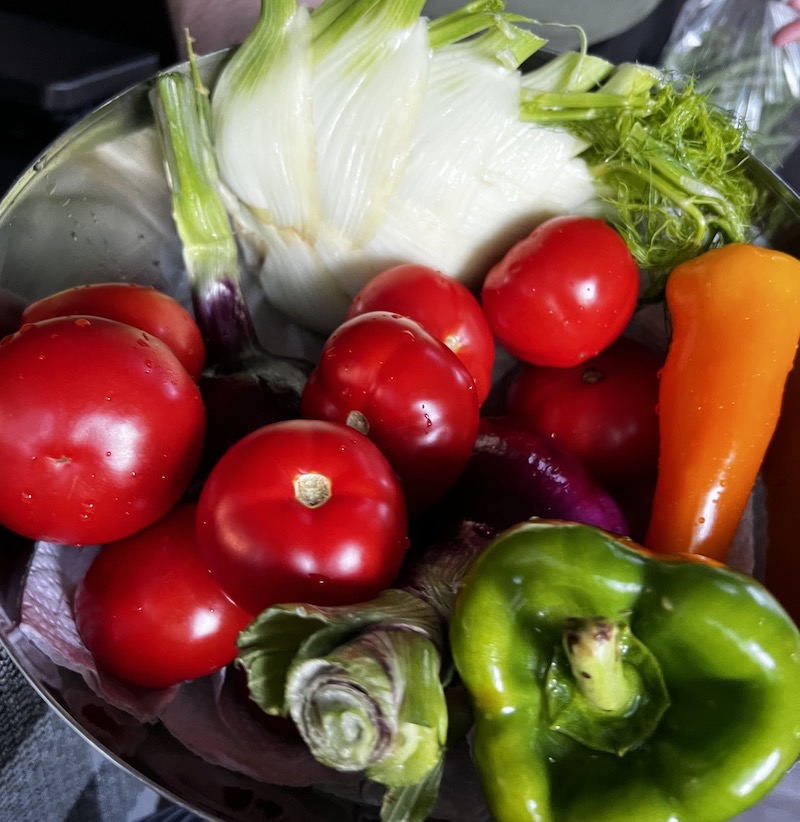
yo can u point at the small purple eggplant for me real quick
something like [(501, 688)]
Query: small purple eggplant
[(514, 474)]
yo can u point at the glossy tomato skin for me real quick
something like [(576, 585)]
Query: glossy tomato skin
[(603, 411), (562, 294), (444, 306), (101, 429), (149, 610), (141, 306), (302, 511), (409, 393)]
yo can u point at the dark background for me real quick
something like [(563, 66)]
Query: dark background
[(59, 60), (143, 24)]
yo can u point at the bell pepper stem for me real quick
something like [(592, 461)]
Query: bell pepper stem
[(592, 646)]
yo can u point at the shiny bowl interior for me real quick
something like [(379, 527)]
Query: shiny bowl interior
[(94, 207)]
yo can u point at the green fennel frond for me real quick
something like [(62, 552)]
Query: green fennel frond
[(667, 163)]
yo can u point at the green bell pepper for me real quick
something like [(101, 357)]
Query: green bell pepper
[(610, 684)]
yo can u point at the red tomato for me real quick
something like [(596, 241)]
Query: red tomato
[(563, 293), (386, 376), (302, 511), (149, 610), (602, 411), (444, 306), (101, 429), (140, 306)]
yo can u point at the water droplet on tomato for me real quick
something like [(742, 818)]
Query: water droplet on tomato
[(319, 579), (83, 322), (27, 496)]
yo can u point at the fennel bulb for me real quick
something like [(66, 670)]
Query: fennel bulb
[(349, 154), (360, 135)]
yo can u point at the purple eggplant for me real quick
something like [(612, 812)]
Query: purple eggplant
[(515, 473), (244, 386)]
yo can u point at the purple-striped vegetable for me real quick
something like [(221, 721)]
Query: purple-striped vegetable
[(515, 473)]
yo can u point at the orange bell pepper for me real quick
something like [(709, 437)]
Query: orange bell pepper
[(736, 322)]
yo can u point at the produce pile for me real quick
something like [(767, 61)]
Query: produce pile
[(496, 508)]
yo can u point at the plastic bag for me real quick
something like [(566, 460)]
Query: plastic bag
[(726, 45)]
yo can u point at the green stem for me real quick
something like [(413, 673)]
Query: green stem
[(490, 31), (632, 79), (264, 45), (509, 45), (210, 252), (592, 646), (568, 72), (559, 107), (333, 19), (201, 218), (627, 89), (466, 21)]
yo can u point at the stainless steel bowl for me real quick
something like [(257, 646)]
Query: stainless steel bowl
[(93, 207)]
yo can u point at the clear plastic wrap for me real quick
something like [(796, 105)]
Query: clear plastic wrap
[(728, 47)]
